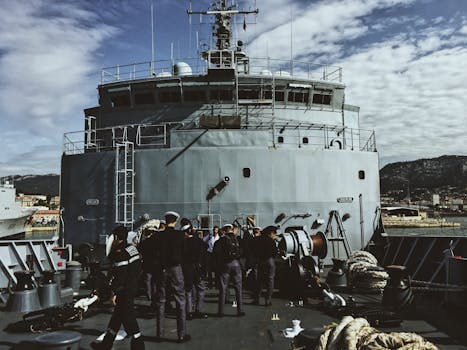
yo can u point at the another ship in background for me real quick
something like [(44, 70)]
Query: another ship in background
[(13, 217)]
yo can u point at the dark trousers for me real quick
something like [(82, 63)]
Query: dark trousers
[(171, 277), (266, 273), (210, 269), (148, 284), (231, 270), (124, 313)]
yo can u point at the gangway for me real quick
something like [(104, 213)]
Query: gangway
[(124, 184)]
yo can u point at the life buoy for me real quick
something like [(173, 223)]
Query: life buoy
[(337, 142)]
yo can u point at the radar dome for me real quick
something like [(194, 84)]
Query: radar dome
[(163, 74), (182, 69), (282, 74)]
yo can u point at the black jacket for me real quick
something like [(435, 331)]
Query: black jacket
[(126, 269), (169, 244), (226, 249), (264, 247)]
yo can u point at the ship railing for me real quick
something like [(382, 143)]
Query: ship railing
[(283, 134), (106, 139), (254, 66), (320, 135)]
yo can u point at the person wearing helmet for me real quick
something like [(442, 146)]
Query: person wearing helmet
[(126, 269)]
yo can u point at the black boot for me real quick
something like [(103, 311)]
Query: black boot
[(137, 343), (106, 343)]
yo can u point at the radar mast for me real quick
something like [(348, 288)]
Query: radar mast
[(224, 55)]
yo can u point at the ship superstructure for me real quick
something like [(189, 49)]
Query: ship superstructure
[(220, 139), (12, 216)]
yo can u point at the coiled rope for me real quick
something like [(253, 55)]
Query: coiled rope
[(364, 272), (357, 334)]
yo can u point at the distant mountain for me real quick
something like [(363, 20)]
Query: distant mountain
[(36, 184), (445, 174)]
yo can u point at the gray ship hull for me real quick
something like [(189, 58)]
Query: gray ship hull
[(289, 180)]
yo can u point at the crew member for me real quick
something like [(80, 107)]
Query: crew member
[(252, 260), (266, 251), (210, 239), (126, 269), (146, 250), (227, 254), (170, 276), (194, 248)]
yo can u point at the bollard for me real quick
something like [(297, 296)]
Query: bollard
[(49, 294), (24, 297), (60, 340), (73, 275), (337, 277)]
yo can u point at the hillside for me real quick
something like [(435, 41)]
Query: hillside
[(445, 175), (36, 184)]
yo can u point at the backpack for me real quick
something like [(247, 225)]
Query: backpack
[(233, 248)]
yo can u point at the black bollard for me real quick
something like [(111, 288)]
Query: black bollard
[(397, 294), (337, 277), (24, 297)]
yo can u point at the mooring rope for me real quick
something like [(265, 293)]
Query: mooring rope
[(364, 272), (357, 334)]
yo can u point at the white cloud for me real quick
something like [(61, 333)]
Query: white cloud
[(48, 73), (410, 84)]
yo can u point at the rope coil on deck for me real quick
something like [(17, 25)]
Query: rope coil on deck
[(357, 334), (365, 273)]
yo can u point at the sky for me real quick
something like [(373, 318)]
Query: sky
[(404, 63)]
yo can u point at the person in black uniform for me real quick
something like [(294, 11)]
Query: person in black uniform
[(146, 250), (126, 269), (266, 251), (193, 251), (227, 254), (170, 276)]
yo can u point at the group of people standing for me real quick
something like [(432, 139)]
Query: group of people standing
[(177, 263)]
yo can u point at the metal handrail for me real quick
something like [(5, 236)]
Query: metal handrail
[(283, 133), (257, 65)]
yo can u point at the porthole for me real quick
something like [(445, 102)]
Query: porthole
[(361, 174), (246, 172)]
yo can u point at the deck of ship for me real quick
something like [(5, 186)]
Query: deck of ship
[(256, 330)]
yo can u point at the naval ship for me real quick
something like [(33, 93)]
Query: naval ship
[(221, 138), (12, 216)]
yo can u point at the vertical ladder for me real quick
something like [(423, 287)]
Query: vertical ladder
[(124, 183), (90, 132)]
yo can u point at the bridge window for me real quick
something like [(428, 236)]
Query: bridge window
[(322, 97), (194, 96), (221, 95), (280, 96), (248, 94), (146, 98), (298, 96), (120, 100), (169, 97)]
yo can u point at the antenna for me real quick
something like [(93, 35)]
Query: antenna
[(291, 41), (152, 39)]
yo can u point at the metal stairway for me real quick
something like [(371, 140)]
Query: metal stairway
[(337, 237), (124, 183)]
